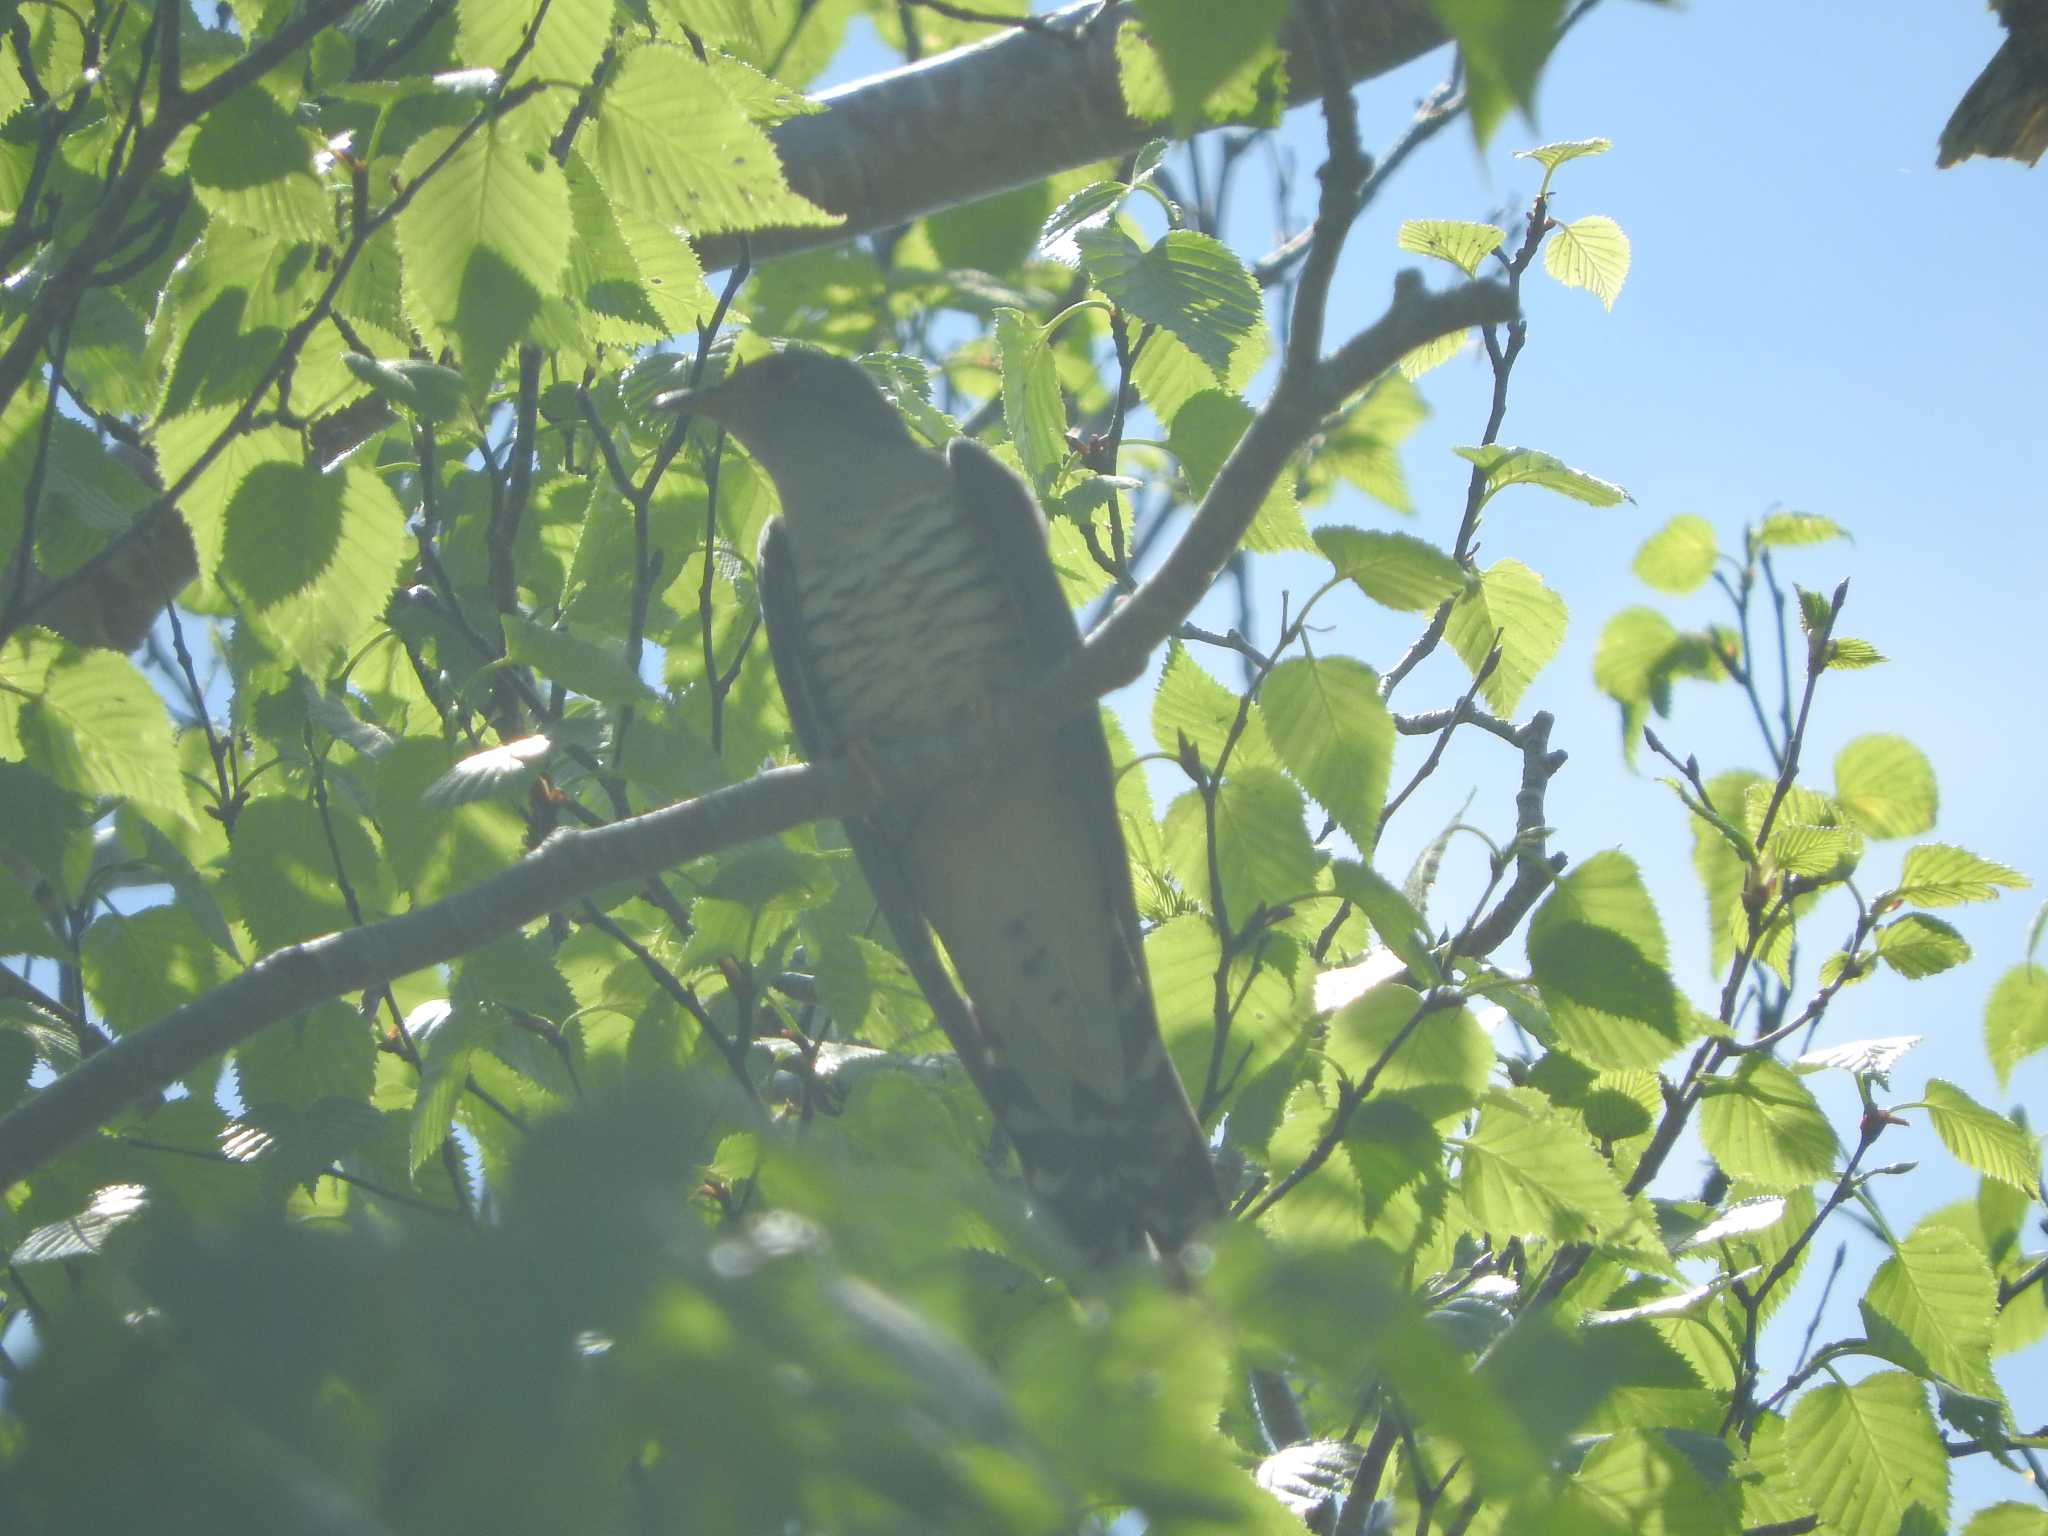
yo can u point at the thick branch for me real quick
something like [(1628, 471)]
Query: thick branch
[(563, 870), (911, 141)]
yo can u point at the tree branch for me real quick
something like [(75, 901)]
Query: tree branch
[(914, 140)]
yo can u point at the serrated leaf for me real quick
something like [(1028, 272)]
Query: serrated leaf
[(1597, 955), (1395, 570), (1930, 1307), (1204, 430), (1848, 654), (1763, 1125), (94, 726), (1361, 444), (1189, 285), (2016, 1018), (1191, 704), (1032, 405), (484, 240), (1551, 156), (2008, 1519), (1785, 529), (1325, 719), (1678, 557), (1201, 47), (1917, 945), (1458, 241), (1885, 785), (671, 144), (1526, 1169), (1510, 600), (1869, 1457), (1263, 853), (1941, 875), (1981, 1138), (1503, 466), (1440, 1065), (1590, 253), (1394, 919)]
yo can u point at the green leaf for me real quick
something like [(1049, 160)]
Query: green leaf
[(1885, 786), (2016, 1019), (1940, 875), (254, 165), (1508, 600), (1762, 1125), (329, 1052), (1183, 954), (1395, 570), (1202, 46), (1360, 446), (342, 540), (1192, 704), (1785, 529), (283, 525), (1529, 1170), (1551, 156), (451, 1047), (1192, 287), (38, 821), (2008, 1519), (1032, 404), (282, 871), (1503, 466), (1638, 658), (1930, 1306), (1981, 1138), (672, 144), (1644, 1482), (1917, 945), (1870, 1457), (1204, 430), (484, 240), (1440, 1067), (578, 662), (432, 393), (1597, 955), (1848, 654), (1253, 94), (1326, 721), (96, 727), (139, 967), (572, 36), (1395, 922), (1679, 556), (1458, 241), (1262, 849), (1590, 253)]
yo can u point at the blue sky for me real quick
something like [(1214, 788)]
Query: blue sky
[(1815, 320)]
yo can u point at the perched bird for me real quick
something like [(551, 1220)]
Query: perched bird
[(904, 592), (2005, 111)]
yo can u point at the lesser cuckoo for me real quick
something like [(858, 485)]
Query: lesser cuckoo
[(904, 592)]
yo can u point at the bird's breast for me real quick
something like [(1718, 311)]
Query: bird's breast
[(908, 624)]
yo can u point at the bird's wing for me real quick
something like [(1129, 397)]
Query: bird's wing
[(879, 853), (1157, 1148), (1006, 519)]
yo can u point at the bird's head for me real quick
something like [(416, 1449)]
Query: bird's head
[(800, 412)]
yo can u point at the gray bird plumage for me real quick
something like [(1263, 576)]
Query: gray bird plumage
[(904, 592)]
